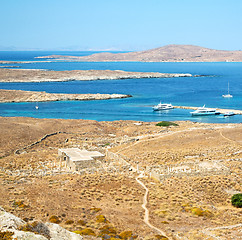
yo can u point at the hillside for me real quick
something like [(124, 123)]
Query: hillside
[(169, 53), (191, 170)]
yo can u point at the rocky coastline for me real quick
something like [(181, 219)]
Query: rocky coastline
[(35, 75), (31, 96)]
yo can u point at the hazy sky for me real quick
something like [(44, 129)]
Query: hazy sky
[(119, 24)]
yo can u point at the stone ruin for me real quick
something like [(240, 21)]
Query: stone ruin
[(75, 159), (187, 169)]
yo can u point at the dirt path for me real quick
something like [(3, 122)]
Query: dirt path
[(146, 217), (231, 140)]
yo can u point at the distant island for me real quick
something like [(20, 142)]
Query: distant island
[(169, 53)]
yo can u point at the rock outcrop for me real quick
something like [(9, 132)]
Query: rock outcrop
[(11, 225)]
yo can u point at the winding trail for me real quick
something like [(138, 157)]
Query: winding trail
[(146, 217)]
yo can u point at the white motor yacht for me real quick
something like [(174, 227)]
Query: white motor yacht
[(162, 106), (202, 111)]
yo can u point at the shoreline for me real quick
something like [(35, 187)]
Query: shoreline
[(18, 96)]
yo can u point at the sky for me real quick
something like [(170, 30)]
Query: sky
[(125, 25)]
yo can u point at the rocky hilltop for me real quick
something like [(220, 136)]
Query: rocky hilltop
[(35, 75), (12, 227), (30, 96), (169, 53)]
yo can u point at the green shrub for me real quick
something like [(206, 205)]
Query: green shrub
[(69, 222), (160, 237), (197, 211), (125, 234), (237, 200), (54, 219), (101, 219), (86, 231), (166, 124), (94, 209), (107, 230)]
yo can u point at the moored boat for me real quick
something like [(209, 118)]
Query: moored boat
[(202, 111), (228, 114), (227, 95), (162, 106)]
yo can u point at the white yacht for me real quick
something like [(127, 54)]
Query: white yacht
[(227, 95), (162, 106), (202, 111)]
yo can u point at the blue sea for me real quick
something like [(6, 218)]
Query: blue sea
[(191, 91)]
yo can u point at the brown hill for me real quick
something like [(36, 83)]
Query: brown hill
[(169, 53)]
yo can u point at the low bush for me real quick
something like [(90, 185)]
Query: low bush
[(107, 230), (6, 235), (20, 204), (81, 222), (101, 219), (125, 234), (160, 237), (94, 209), (197, 211), (86, 231), (68, 222), (236, 200), (166, 124), (54, 219)]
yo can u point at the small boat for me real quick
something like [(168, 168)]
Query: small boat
[(162, 106), (229, 114), (227, 95), (202, 111), (36, 107)]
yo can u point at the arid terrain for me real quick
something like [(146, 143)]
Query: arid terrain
[(169, 53), (32, 96), (36, 75), (183, 205)]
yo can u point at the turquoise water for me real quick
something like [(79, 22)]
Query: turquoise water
[(194, 91)]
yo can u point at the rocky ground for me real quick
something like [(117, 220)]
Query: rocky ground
[(35, 75), (34, 187)]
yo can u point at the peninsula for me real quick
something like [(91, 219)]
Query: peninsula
[(169, 53), (37, 75), (32, 96)]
